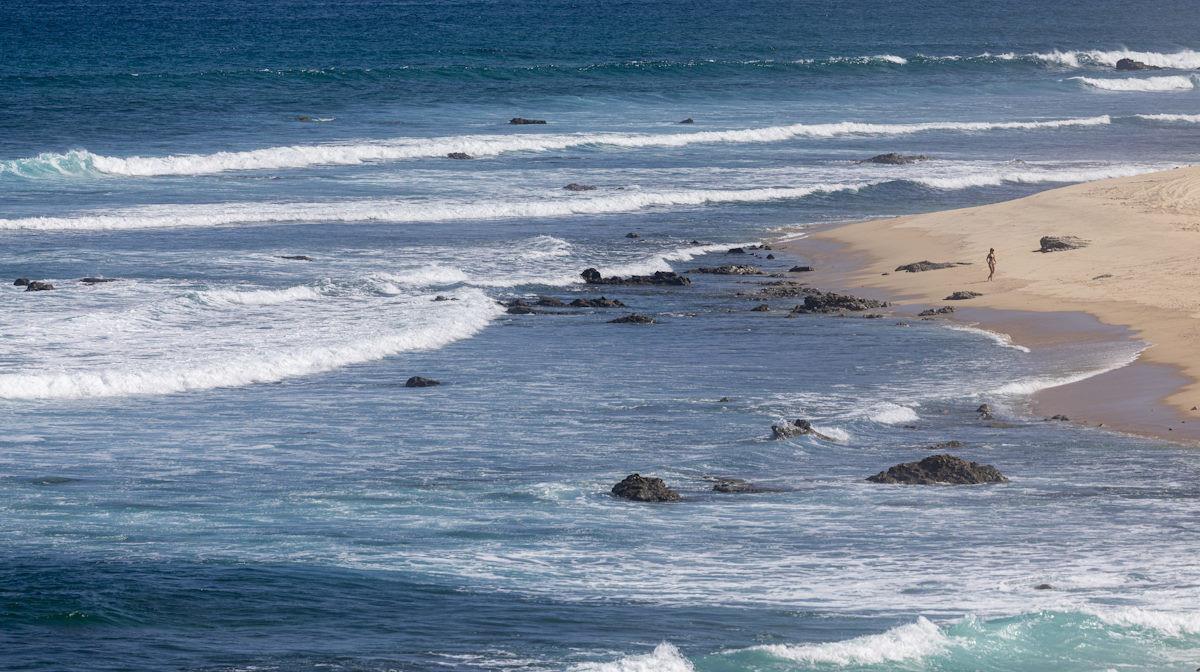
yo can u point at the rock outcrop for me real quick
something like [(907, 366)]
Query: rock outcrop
[(601, 302), (761, 308), (930, 312), (737, 486), (592, 277), (522, 121), (963, 295), (459, 156), (817, 301), (689, 120), (796, 428), (940, 469), (800, 269), (418, 381), (1061, 243), (639, 488), (575, 186), (633, 318), (921, 266), (894, 159), (1130, 64), (729, 269), (38, 286), (21, 282)]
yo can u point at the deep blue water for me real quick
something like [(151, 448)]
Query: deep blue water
[(213, 463)]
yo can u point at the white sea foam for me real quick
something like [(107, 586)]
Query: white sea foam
[(1170, 624), (1186, 118), (893, 414), (1003, 340), (1030, 175), (1182, 60), (258, 297), (225, 214), (1139, 84), (664, 658), (1027, 386), (910, 642), (82, 161)]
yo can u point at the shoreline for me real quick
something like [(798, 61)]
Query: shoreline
[(1133, 283)]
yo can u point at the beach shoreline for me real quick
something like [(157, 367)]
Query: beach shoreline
[(1132, 282)]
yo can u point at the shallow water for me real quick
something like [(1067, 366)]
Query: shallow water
[(213, 463)]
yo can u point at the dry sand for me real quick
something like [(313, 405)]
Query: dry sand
[(1140, 270)]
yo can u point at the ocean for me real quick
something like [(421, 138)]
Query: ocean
[(213, 462)]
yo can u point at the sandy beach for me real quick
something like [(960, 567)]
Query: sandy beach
[(1136, 277)]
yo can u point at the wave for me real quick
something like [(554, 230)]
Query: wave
[(913, 641), (82, 162), (893, 414), (1002, 340), (190, 216), (1140, 84), (1181, 60), (425, 329), (1029, 175), (664, 658), (1185, 118), (1033, 385), (257, 297)]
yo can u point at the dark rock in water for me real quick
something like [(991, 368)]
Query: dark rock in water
[(796, 428), (953, 443), (642, 489), (800, 269), (53, 480), (689, 120), (550, 302), (295, 257), (984, 411), (601, 302), (724, 400), (592, 277), (920, 266), (894, 159), (1130, 64), (418, 381), (728, 269), (21, 282), (1061, 243), (944, 310), (963, 296), (38, 286), (439, 297), (522, 121), (575, 186), (872, 316), (304, 117), (770, 256), (459, 156), (633, 318), (97, 281), (520, 310), (817, 301), (736, 250), (1043, 586), (737, 486), (940, 469), (631, 234), (1059, 418), (761, 308)]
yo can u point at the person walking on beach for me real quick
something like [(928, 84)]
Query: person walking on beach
[(991, 261)]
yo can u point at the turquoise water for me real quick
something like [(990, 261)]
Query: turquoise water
[(213, 463)]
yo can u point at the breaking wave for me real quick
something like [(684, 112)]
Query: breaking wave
[(1140, 84)]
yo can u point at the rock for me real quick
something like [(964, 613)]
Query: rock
[(1102, 277), (728, 269), (295, 257), (944, 310), (761, 308), (631, 234), (940, 469), (963, 295), (817, 301), (592, 277), (796, 428), (38, 286), (920, 266), (1130, 64), (1059, 418), (550, 302), (785, 289), (460, 156), (894, 159), (633, 318), (1043, 586), (724, 400), (689, 120), (737, 486), (97, 281), (800, 269), (304, 118), (736, 250), (1061, 243), (642, 489), (575, 186), (418, 381), (601, 302), (954, 443), (522, 121), (21, 282), (984, 411), (439, 297), (520, 310)]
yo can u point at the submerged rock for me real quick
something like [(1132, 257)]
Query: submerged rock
[(963, 295), (639, 488), (800, 269), (689, 120), (592, 277), (796, 428), (633, 318), (601, 302), (1061, 243), (984, 411), (920, 266), (460, 156), (550, 302), (295, 257), (728, 269), (944, 310), (939, 470), (21, 282), (418, 381), (1130, 64), (737, 486), (894, 159), (736, 250), (1058, 418), (761, 308), (817, 301), (522, 121), (631, 234), (575, 186), (97, 281), (38, 286)]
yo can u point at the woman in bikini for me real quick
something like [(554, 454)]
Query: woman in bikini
[(991, 262)]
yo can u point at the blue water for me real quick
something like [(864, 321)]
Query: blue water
[(213, 463)]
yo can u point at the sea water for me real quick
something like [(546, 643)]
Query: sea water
[(213, 463)]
